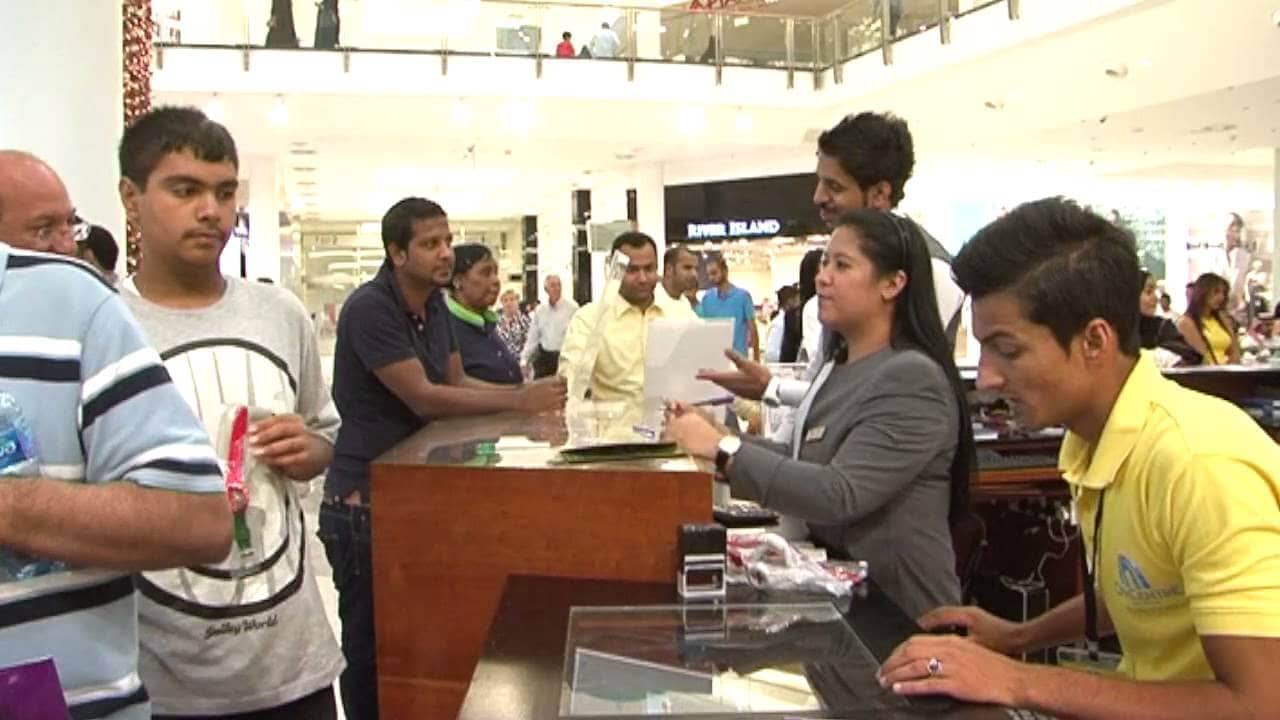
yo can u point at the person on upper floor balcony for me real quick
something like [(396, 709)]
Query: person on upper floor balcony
[(1176, 492), (565, 48)]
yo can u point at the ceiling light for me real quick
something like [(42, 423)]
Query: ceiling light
[(692, 120), (280, 113), (460, 113), (743, 122), (215, 110), (519, 115)]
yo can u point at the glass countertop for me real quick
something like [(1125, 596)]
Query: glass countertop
[(726, 659)]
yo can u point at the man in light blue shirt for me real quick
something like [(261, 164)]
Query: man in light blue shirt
[(605, 43), (723, 300)]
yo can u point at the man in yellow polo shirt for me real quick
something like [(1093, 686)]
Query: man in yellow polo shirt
[(618, 373), (1178, 494)]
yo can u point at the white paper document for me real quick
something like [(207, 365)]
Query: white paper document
[(676, 350)]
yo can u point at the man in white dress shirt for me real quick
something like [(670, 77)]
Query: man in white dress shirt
[(541, 354)]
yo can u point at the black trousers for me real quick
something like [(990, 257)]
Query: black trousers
[(545, 363), (319, 705), (344, 530)]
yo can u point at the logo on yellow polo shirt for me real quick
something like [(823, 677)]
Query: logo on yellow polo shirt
[(1132, 584)]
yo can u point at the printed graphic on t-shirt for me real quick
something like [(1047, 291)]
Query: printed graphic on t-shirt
[(212, 375)]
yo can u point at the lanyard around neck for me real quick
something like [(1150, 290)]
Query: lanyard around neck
[(1090, 568)]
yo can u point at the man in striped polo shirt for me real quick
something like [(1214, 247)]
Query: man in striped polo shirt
[(127, 480)]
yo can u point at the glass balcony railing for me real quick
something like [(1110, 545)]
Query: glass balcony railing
[(563, 31)]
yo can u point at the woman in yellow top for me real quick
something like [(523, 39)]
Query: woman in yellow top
[(1206, 325)]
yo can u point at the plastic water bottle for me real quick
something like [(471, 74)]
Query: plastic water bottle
[(18, 458), (17, 445)]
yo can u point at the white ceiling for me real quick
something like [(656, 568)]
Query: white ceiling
[(1198, 97)]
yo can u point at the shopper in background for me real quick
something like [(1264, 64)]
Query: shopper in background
[(513, 323), (788, 298), (565, 48), (541, 353), (725, 300), (793, 327), (1206, 325), (1176, 492), (35, 211), (618, 371), (605, 43), (1166, 307), (229, 342), (1160, 333), (99, 249), (395, 369), (485, 356), (679, 272), (882, 450)]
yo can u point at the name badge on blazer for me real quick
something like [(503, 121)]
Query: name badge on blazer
[(815, 434)]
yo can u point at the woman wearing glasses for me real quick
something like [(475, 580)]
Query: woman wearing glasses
[(883, 447)]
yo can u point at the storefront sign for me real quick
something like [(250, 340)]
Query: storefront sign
[(758, 227)]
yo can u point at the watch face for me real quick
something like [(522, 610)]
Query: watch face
[(730, 444)]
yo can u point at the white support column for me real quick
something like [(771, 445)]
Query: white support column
[(555, 240), (61, 98), (263, 258), (608, 204), (651, 204)]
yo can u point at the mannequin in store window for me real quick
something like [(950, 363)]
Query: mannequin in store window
[(1206, 325)]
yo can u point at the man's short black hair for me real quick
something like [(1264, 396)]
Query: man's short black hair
[(102, 245), (1065, 265), (672, 254), (633, 239), (871, 148), (565, 35), (169, 129), (397, 224)]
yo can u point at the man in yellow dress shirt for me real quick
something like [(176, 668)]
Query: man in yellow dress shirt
[(618, 373), (1178, 496)]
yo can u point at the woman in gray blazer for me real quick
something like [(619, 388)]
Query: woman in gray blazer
[(883, 447)]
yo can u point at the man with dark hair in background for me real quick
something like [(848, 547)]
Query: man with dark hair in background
[(863, 162), (396, 368), (679, 272), (1176, 493), (99, 249), (618, 370), (724, 300)]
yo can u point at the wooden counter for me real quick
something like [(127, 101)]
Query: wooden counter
[(465, 503)]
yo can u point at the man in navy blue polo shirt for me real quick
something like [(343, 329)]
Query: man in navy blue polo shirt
[(395, 368), (723, 300)]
